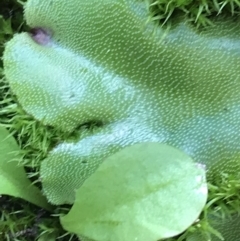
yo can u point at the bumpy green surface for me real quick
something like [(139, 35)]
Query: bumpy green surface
[(104, 61)]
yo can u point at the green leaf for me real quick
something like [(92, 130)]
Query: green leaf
[(5, 26), (147, 191), (14, 181)]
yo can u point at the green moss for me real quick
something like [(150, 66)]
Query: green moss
[(198, 12)]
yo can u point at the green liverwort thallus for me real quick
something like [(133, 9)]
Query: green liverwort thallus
[(104, 61)]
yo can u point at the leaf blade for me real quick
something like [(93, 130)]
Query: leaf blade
[(130, 196), (14, 181)]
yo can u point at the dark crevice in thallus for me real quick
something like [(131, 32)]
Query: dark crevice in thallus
[(40, 35)]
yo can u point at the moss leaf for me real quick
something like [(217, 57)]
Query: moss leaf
[(144, 192), (228, 227), (14, 181)]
